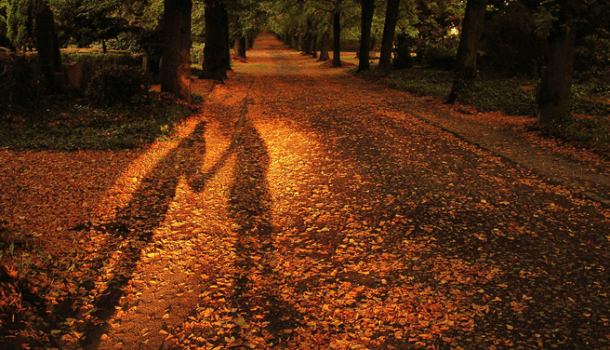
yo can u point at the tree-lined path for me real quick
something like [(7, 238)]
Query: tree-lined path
[(304, 209)]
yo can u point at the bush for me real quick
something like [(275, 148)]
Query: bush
[(594, 52), (19, 77), (93, 61), (439, 57), (114, 83)]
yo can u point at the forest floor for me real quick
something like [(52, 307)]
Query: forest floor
[(305, 208)]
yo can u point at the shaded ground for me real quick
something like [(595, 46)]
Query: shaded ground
[(303, 208)]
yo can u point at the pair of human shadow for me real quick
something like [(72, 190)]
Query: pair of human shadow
[(134, 224)]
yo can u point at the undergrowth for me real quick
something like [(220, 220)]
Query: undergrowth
[(589, 126), (65, 123)]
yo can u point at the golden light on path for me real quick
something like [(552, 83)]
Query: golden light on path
[(122, 191)]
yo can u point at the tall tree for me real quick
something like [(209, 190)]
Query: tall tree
[(216, 57), (564, 19), (470, 37), (33, 22), (175, 74), (556, 82), (337, 39), (387, 41), (324, 46), (86, 22), (48, 47), (368, 11), (4, 41)]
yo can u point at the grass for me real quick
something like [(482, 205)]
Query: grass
[(589, 125), (64, 123)]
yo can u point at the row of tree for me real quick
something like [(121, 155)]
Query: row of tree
[(537, 37)]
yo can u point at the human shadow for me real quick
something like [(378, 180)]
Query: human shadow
[(132, 228), (249, 206)]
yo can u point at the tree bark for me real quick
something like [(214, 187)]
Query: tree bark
[(466, 60), (175, 76), (240, 46), (315, 46), (387, 41), (556, 82), (368, 10), (324, 47), (216, 54), (337, 39)]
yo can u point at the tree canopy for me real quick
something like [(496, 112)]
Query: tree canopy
[(517, 36)]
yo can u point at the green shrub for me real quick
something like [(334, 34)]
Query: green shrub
[(114, 83), (93, 61), (440, 57), (593, 53), (591, 132), (60, 123)]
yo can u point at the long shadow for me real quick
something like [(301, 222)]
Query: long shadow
[(249, 206), (133, 226)]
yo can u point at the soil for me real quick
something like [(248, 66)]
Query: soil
[(305, 208)]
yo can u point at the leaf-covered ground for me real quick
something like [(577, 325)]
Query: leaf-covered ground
[(299, 209)]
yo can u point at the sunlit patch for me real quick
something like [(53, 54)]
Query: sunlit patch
[(121, 193)]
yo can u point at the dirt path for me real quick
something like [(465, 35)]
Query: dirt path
[(578, 169), (305, 209)]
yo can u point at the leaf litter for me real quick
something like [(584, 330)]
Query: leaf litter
[(317, 217)]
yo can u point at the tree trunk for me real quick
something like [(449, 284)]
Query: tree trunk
[(296, 42), (288, 40), (403, 57), (176, 76), (227, 36), (466, 60), (337, 39), (251, 38), (556, 82), (324, 47), (241, 49), (387, 41), (48, 48), (306, 44), (368, 10), (315, 46), (308, 40), (216, 56)]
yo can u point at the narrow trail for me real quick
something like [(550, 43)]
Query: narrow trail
[(303, 208)]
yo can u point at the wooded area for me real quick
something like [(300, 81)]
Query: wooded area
[(547, 39)]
